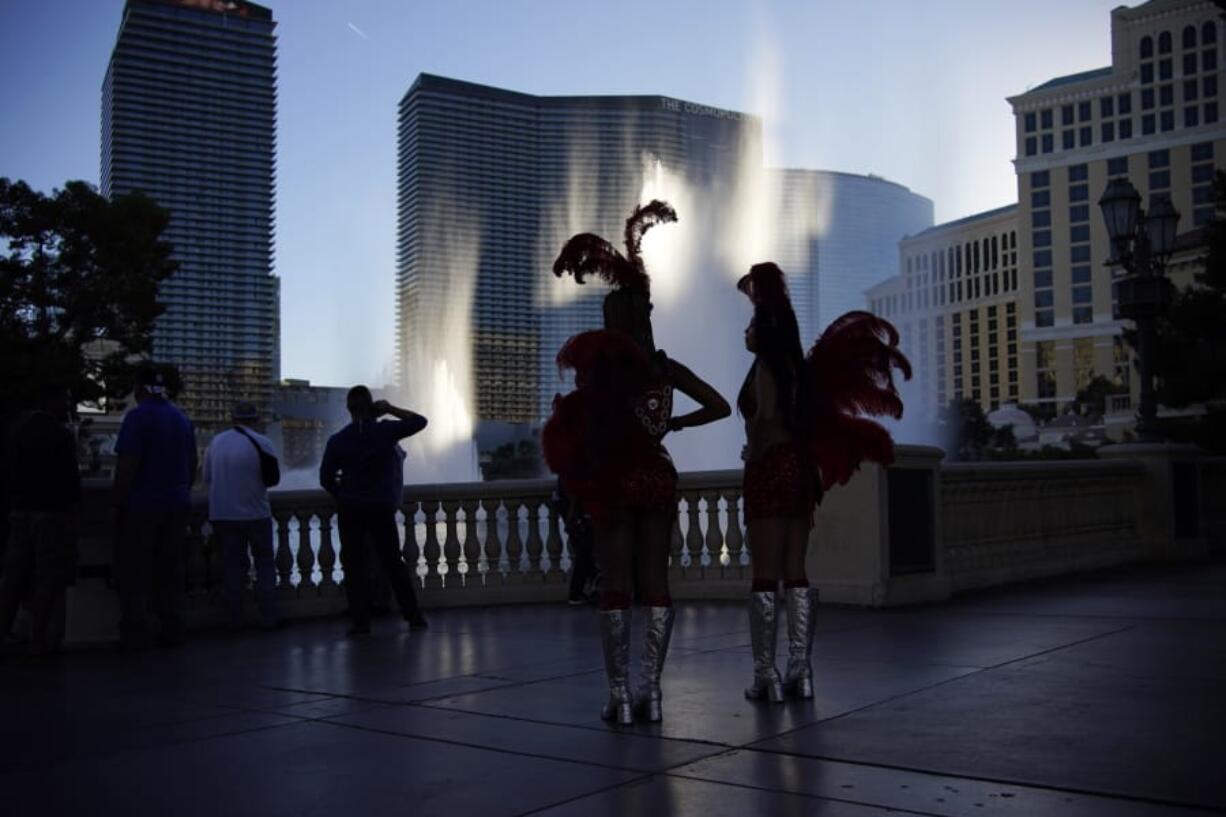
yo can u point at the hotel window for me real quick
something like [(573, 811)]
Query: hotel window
[(1159, 179), (1159, 158), (1066, 115), (1083, 361), (1210, 113), (1030, 122), (1068, 140), (1208, 87), (1124, 103), (1108, 131), (1208, 34), (1040, 178), (1079, 192), (1080, 254), (1125, 128), (1042, 278), (1189, 37), (1190, 87), (1164, 42), (1048, 143), (1045, 118), (1166, 70), (1079, 232), (1147, 99), (1166, 95), (1208, 60), (1042, 238), (1117, 166), (1106, 106), (1122, 358), (1191, 116), (1040, 218), (1078, 173), (1083, 111), (1082, 274), (1147, 73), (1147, 47), (1168, 121), (1189, 64), (1032, 146)]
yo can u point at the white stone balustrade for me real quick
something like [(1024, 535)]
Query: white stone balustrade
[(500, 542)]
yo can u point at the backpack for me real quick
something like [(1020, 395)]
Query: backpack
[(270, 469)]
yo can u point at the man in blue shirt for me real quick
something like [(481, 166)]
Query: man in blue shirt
[(361, 469), (153, 482)]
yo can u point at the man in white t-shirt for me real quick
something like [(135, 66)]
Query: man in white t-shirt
[(240, 514)]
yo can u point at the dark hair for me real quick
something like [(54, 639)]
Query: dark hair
[(778, 340), (359, 397)]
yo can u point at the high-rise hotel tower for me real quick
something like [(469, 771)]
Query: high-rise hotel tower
[(189, 118)]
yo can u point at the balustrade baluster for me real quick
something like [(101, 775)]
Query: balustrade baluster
[(735, 537), (713, 543), (449, 568), (693, 533), (284, 558), (412, 549), (534, 545), (492, 549), (327, 555), (431, 549), (306, 557), (552, 563), (676, 547), (471, 567), (515, 544)]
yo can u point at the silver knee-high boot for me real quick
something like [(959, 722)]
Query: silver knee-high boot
[(802, 610), (763, 632), (655, 649), (615, 640)]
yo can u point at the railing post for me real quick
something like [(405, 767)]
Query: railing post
[(471, 564), (327, 555), (411, 550), (449, 566), (430, 548), (284, 558), (515, 547), (713, 544), (306, 557), (735, 538), (534, 545), (492, 547), (553, 548)]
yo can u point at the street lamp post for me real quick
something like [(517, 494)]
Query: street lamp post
[(1141, 244)]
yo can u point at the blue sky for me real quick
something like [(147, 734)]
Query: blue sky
[(913, 92)]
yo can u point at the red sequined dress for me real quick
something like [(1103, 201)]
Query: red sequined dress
[(605, 438), (780, 483)]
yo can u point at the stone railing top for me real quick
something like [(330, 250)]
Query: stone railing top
[(1031, 469)]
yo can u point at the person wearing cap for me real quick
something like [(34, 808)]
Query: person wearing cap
[(240, 514), (362, 470), (154, 475)]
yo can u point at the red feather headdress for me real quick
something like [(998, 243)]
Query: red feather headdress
[(588, 254)]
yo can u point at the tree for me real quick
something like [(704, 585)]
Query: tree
[(967, 429), (79, 278), (1092, 399), (1191, 336)]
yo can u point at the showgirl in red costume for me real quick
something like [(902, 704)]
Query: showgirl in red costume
[(805, 435), (605, 441)]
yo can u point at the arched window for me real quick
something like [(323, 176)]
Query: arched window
[(1189, 37), (1147, 47), (1164, 42), (1208, 33)]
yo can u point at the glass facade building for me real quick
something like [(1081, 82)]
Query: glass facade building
[(838, 235), (491, 184), (189, 118)]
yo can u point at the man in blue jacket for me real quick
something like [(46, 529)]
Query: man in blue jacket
[(361, 469)]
